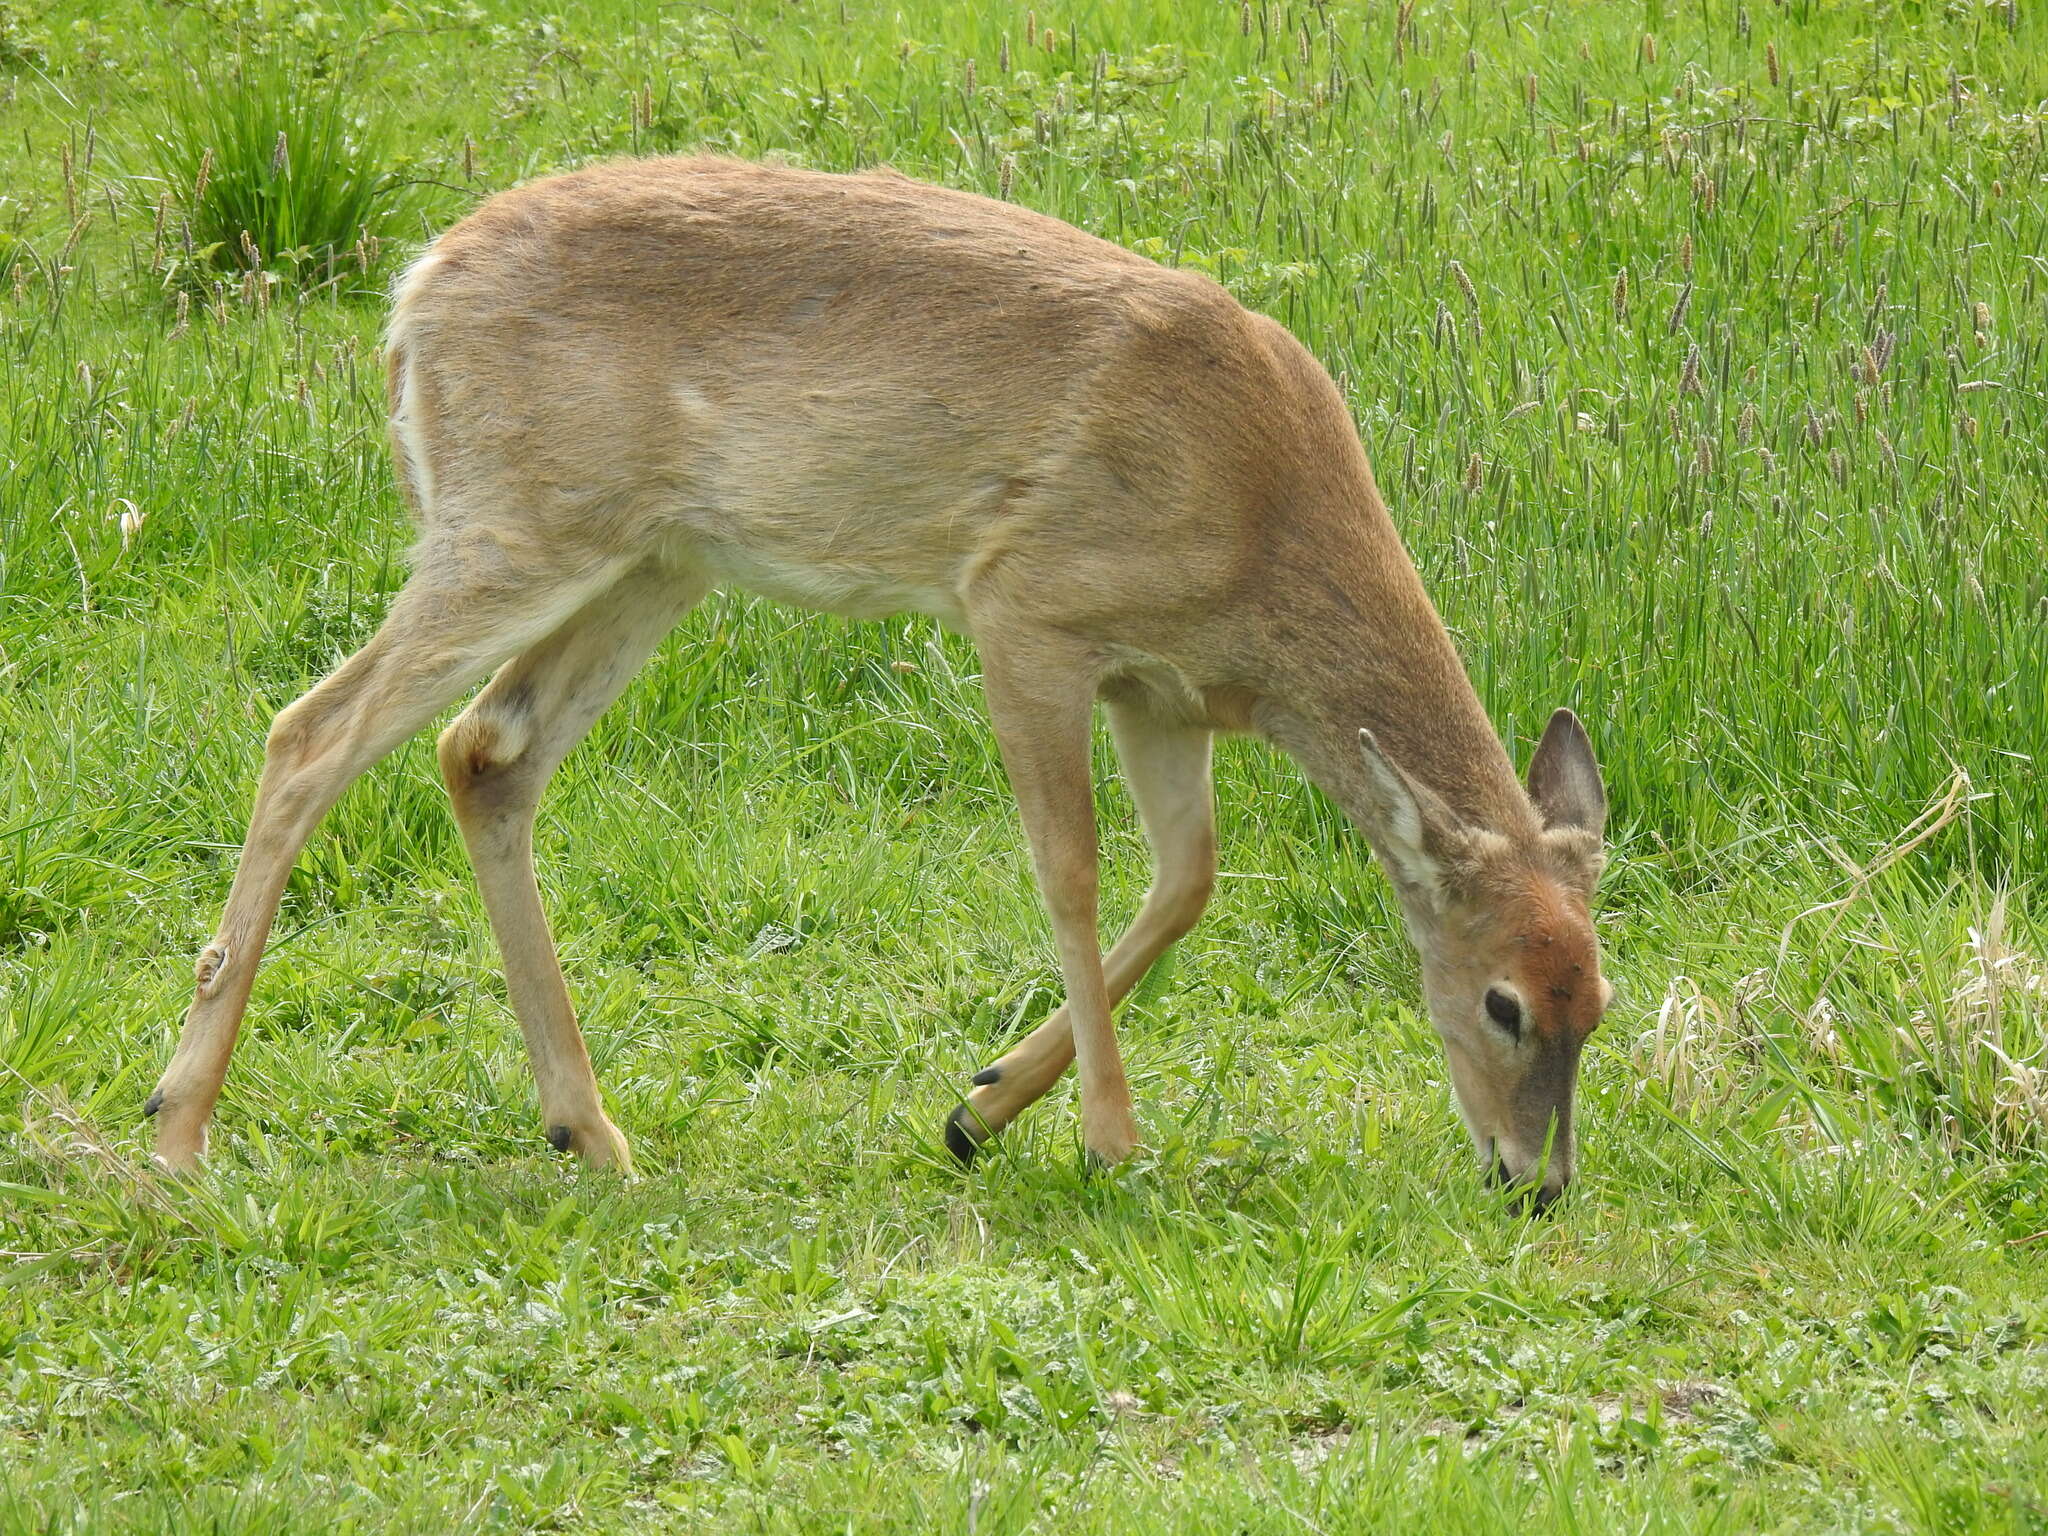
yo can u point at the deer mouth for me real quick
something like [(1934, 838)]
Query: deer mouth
[(1524, 1196)]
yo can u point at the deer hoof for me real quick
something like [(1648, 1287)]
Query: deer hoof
[(599, 1144), (153, 1103), (1104, 1151), (960, 1141)]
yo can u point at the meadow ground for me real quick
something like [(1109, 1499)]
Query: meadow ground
[(1701, 349)]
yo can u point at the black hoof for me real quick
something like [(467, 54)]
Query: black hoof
[(558, 1137), (986, 1076), (959, 1140), (153, 1103)]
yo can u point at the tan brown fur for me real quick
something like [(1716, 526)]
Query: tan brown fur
[(614, 390)]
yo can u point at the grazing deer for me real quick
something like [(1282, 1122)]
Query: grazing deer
[(614, 390)]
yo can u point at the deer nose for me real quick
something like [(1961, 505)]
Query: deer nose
[(1535, 1198)]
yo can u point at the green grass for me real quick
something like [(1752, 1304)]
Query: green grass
[(1771, 511), (274, 170)]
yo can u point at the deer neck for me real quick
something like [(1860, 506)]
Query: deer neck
[(1362, 647)]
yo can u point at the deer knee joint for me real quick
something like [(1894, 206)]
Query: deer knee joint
[(1071, 899), (1182, 902), (290, 730)]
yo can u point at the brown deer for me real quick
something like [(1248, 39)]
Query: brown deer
[(614, 390)]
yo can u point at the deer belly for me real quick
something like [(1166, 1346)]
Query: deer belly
[(848, 588)]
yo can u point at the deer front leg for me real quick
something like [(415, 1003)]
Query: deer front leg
[(1166, 764), (1041, 700)]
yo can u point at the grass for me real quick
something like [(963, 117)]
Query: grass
[(271, 169), (1700, 350)]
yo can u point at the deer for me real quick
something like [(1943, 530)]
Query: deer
[(615, 390)]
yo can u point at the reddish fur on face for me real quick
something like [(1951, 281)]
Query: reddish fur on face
[(1557, 964)]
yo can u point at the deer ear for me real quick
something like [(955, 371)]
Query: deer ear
[(1412, 830), (1564, 780)]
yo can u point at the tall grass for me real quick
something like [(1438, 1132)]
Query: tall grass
[(277, 167)]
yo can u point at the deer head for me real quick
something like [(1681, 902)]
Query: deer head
[(1510, 963)]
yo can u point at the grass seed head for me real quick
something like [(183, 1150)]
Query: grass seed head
[(1771, 61), (1464, 282), (1678, 311)]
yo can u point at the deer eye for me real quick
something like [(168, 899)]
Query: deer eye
[(1504, 1011)]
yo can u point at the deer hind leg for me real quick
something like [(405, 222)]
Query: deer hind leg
[(1166, 763), (447, 627), (497, 757)]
